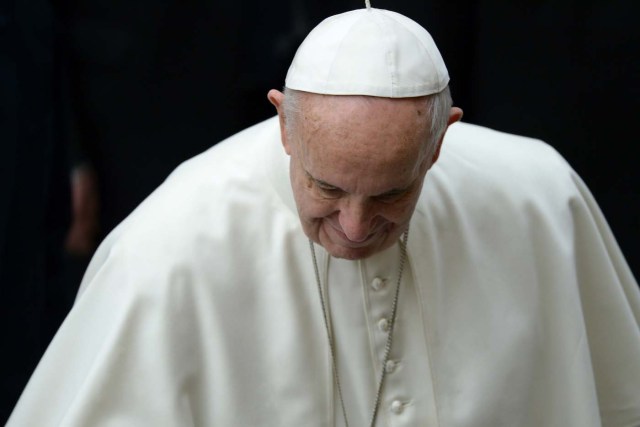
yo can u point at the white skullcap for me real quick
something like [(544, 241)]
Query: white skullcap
[(368, 52)]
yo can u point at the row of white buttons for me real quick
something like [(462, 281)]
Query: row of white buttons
[(396, 406), (383, 324)]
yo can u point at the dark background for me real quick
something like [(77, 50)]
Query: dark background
[(131, 89)]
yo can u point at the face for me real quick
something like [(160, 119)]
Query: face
[(357, 168)]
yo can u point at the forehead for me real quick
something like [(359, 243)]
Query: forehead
[(361, 138)]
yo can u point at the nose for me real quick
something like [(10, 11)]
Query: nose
[(355, 221)]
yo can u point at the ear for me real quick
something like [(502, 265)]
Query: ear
[(277, 99), (454, 116)]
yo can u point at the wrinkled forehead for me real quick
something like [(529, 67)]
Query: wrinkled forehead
[(369, 123), (353, 134)]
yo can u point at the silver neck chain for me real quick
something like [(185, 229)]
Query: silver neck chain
[(387, 349)]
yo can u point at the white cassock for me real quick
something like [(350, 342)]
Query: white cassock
[(516, 308)]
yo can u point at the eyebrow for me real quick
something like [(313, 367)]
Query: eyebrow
[(322, 183)]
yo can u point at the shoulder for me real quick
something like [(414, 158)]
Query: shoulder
[(212, 186), (199, 216), (501, 155), (486, 177), (477, 159)]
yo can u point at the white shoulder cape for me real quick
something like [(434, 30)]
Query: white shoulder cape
[(200, 309)]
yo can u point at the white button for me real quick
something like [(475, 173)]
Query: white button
[(390, 366), (397, 407), (383, 324), (378, 283)]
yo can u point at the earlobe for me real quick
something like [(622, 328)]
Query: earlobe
[(436, 153), (277, 99)]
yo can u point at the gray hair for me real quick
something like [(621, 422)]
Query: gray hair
[(438, 107)]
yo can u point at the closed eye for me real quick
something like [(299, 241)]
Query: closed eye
[(328, 190), (391, 196), (395, 194), (324, 188)]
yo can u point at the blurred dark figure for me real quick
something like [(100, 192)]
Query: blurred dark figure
[(151, 85), (34, 193)]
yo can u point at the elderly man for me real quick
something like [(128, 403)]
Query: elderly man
[(383, 265)]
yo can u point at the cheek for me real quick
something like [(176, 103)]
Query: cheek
[(399, 212)]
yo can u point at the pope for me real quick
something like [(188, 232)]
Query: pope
[(363, 258)]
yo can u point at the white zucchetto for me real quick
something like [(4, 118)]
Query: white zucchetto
[(371, 52)]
